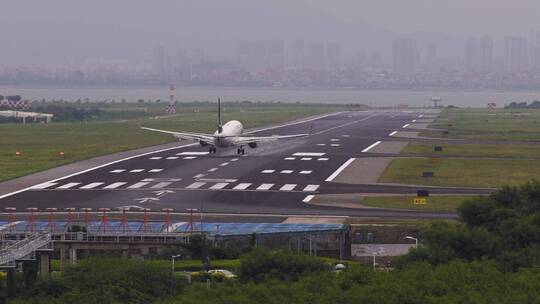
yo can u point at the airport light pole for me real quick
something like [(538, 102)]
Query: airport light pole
[(413, 238), (174, 257), (374, 262)]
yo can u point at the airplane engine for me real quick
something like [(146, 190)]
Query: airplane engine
[(252, 145), (202, 143)]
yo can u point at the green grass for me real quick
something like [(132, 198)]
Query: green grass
[(179, 265), (513, 151), (461, 172), (486, 124), (40, 143), (447, 203)]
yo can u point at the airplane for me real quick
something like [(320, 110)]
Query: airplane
[(226, 135)]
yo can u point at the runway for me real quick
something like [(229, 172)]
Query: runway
[(275, 178)]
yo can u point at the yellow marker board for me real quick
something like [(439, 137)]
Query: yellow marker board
[(420, 200)]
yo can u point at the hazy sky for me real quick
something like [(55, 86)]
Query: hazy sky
[(60, 31)]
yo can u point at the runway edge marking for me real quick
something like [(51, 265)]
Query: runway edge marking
[(371, 146), (339, 170)]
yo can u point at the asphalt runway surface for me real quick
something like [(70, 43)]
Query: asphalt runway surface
[(275, 178)]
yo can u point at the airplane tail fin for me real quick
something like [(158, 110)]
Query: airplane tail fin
[(220, 125)]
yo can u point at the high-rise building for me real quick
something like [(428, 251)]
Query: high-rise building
[(333, 55), (535, 49), (406, 56), (316, 55), (431, 56), (275, 53), (479, 53), (515, 53), (297, 54), (159, 59)]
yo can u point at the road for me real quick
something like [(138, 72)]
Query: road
[(275, 178)]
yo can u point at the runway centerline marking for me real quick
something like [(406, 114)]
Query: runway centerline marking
[(306, 158), (339, 170), (172, 157), (321, 145), (335, 145), (265, 187), (136, 170), (311, 188), (268, 171), (306, 172), (322, 159), (138, 185), (156, 157), (286, 171), (289, 158), (91, 185), (155, 170), (334, 139), (309, 154), (308, 198), (224, 164), (212, 170), (371, 146), (392, 134), (115, 185), (234, 159), (189, 157), (117, 171)]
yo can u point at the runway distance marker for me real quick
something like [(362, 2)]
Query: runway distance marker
[(339, 170), (371, 146)]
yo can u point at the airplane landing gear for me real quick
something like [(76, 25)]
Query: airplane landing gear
[(241, 151), (212, 150)]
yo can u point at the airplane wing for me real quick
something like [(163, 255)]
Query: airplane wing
[(206, 138), (244, 140)]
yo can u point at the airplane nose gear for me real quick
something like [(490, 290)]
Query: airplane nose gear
[(212, 150), (241, 151)]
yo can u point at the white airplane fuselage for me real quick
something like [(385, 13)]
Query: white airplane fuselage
[(228, 131)]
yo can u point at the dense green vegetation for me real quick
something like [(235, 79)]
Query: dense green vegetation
[(492, 256), (448, 203), (461, 172), (488, 124), (116, 129)]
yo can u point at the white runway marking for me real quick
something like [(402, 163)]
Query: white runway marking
[(172, 157), (155, 170), (321, 145), (308, 198), (322, 158), (345, 135), (217, 180), (212, 170), (242, 186), (287, 187), (414, 120), (161, 185), (268, 171), (338, 171), (219, 186), (199, 176), (224, 164), (138, 185), (136, 170), (404, 126), (91, 186), (189, 157), (44, 185), (309, 154), (335, 145), (289, 158), (306, 158), (311, 188), (286, 171), (155, 157), (265, 187), (234, 159), (117, 171), (420, 115), (196, 185), (371, 146), (114, 185), (192, 153), (68, 185), (306, 172), (147, 180), (392, 134), (334, 139)]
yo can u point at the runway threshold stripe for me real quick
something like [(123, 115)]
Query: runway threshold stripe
[(308, 198), (138, 185), (406, 126), (287, 187), (242, 186), (196, 185), (44, 185), (310, 188), (114, 185), (68, 185), (219, 186), (371, 147), (91, 186), (392, 134), (339, 170), (161, 185), (265, 186)]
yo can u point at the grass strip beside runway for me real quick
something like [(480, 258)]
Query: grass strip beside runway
[(447, 203), (510, 151), (461, 172), (488, 124)]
